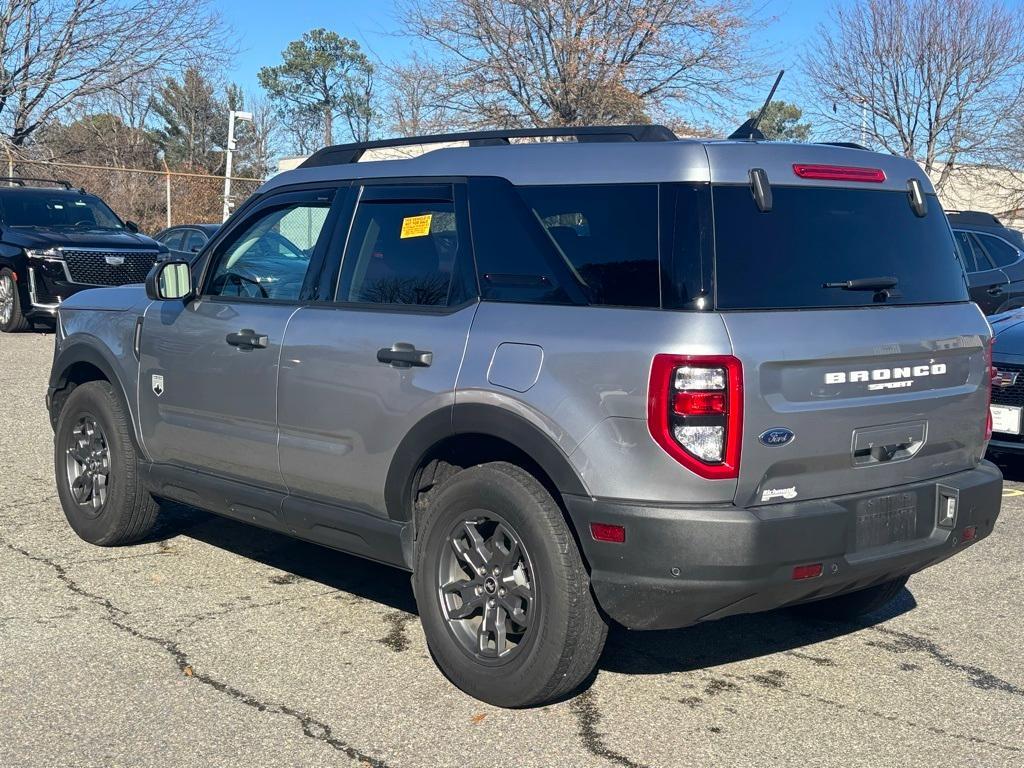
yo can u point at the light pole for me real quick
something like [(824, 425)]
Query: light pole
[(232, 116)]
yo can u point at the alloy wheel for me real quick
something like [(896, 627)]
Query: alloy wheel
[(7, 289), (88, 464), (486, 587)]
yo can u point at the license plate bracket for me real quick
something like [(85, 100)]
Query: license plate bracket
[(883, 520)]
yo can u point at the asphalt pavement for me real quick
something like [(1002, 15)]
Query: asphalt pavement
[(217, 644)]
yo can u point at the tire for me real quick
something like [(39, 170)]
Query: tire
[(12, 319), (543, 582), (855, 604), (94, 426)]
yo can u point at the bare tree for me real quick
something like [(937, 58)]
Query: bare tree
[(415, 98), (933, 80), (569, 62), (54, 53)]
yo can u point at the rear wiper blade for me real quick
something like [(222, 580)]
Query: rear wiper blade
[(864, 284)]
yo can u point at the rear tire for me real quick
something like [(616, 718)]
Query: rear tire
[(518, 625), (97, 469), (12, 319), (855, 604)]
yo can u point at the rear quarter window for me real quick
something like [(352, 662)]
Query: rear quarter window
[(780, 259)]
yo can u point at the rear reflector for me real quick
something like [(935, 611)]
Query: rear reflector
[(608, 532), (801, 572), (839, 173), (970, 533)]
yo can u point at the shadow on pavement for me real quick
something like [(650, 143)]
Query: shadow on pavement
[(657, 652)]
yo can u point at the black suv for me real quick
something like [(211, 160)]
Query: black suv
[(993, 257), (56, 241)]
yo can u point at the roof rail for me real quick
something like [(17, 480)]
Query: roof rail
[(340, 154), (20, 181), (974, 217)]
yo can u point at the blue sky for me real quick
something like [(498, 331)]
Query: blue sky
[(265, 27)]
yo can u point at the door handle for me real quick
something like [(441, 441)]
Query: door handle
[(247, 338), (402, 355)]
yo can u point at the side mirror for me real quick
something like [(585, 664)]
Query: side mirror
[(131, 226), (169, 281)]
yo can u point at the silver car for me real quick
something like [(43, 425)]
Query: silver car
[(618, 377)]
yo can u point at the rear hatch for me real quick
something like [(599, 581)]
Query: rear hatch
[(847, 391)]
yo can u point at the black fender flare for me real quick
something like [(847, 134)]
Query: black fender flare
[(83, 352), (473, 419)]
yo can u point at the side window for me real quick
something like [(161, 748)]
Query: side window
[(608, 235), (515, 259), (974, 258), (270, 255), (173, 239), (194, 241), (1001, 252), (402, 252)]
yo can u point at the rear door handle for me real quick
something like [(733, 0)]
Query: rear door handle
[(247, 338), (402, 355)]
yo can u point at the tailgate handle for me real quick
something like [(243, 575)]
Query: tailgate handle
[(881, 445)]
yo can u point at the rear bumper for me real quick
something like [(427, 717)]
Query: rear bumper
[(682, 565)]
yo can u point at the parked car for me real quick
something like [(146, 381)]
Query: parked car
[(627, 378), (56, 241), (1007, 382), (993, 258), (186, 240)]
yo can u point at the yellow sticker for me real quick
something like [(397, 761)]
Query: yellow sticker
[(416, 226)]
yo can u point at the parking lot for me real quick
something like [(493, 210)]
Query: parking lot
[(219, 644)]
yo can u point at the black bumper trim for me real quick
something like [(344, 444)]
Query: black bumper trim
[(683, 565)]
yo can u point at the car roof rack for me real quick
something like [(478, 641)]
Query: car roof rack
[(341, 154), (20, 181)]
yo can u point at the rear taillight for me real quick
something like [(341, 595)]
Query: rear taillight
[(695, 411), (839, 173), (992, 372)]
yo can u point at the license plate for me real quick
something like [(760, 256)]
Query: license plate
[(1006, 419), (886, 520)]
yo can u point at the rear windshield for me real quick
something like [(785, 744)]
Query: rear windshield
[(781, 259)]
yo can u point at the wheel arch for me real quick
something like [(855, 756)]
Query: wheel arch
[(479, 433), (78, 364)]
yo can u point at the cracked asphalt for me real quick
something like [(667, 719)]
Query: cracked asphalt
[(216, 644)]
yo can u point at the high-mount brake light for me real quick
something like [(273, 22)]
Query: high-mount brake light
[(695, 411), (838, 173)]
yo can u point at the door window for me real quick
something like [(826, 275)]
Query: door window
[(172, 239), (194, 241), (402, 252), (974, 257), (271, 255), (1001, 252)]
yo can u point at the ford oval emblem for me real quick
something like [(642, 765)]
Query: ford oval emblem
[(777, 436)]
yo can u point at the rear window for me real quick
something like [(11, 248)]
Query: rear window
[(815, 235)]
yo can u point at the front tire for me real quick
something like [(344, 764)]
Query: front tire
[(97, 469), (502, 592), (12, 318)]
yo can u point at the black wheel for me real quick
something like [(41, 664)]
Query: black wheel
[(96, 468), (503, 595), (855, 604), (12, 318)]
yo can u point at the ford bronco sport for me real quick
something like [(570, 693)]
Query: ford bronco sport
[(623, 378), (56, 241)]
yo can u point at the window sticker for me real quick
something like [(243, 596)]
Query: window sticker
[(416, 226)]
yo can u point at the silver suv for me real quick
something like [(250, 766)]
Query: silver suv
[(614, 377)]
